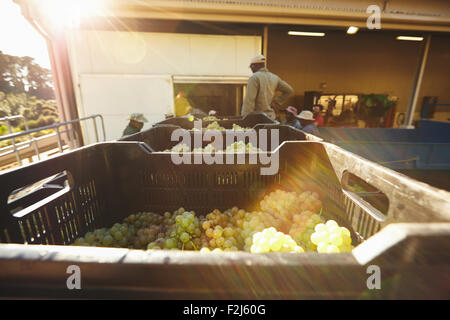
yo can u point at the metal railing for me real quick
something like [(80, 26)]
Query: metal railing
[(8, 120), (56, 126)]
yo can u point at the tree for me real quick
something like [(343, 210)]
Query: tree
[(22, 74)]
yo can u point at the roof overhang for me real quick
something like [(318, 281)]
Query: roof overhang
[(431, 15)]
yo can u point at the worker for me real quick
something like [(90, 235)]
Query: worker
[(261, 88), (182, 105), (317, 112), (135, 125), (291, 120), (197, 113), (307, 122)]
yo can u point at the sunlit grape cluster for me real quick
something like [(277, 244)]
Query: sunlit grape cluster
[(271, 240), (285, 205), (331, 238)]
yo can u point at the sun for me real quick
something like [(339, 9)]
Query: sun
[(69, 13)]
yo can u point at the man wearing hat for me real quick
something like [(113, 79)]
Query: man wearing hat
[(135, 125), (261, 88), (307, 120), (291, 117)]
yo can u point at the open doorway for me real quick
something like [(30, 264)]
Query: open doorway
[(225, 98)]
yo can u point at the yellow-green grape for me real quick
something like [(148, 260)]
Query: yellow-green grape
[(331, 238), (271, 240)]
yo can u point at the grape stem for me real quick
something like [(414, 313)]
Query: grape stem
[(194, 246)]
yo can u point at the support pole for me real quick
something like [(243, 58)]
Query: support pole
[(412, 104), (265, 40)]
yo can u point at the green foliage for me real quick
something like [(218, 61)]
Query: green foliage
[(22, 75), (25, 89), (374, 106), (38, 112), (41, 133)]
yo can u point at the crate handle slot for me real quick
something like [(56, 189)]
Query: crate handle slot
[(24, 200), (147, 149), (363, 192)]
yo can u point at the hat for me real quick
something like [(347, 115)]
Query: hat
[(138, 117), (292, 110), (212, 112), (306, 115), (259, 58)]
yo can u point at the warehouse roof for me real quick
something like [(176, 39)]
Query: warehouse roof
[(430, 15), (410, 7)]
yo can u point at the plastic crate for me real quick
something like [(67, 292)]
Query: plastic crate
[(159, 138), (109, 181), (248, 121)]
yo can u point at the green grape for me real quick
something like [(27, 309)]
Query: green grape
[(345, 231), (331, 223), (206, 225), (217, 233), (335, 239), (334, 230), (228, 243), (171, 243), (220, 241), (184, 237), (209, 233), (123, 242), (322, 247), (89, 237), (79, 241), (107, 240), (118, 235), (228, 232), (332, 249), (190, 228)]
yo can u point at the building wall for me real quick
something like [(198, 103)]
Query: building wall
[(116, 73), (368, 62)]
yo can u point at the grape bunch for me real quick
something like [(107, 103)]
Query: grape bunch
[(210, 118), (220, 231), (331, 238), (179, 148), (182, 231), (237, 127), (271, 240), (287, 221), (241, 147), (285, 205), (214, 126), (119, 236), (303, 227)]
